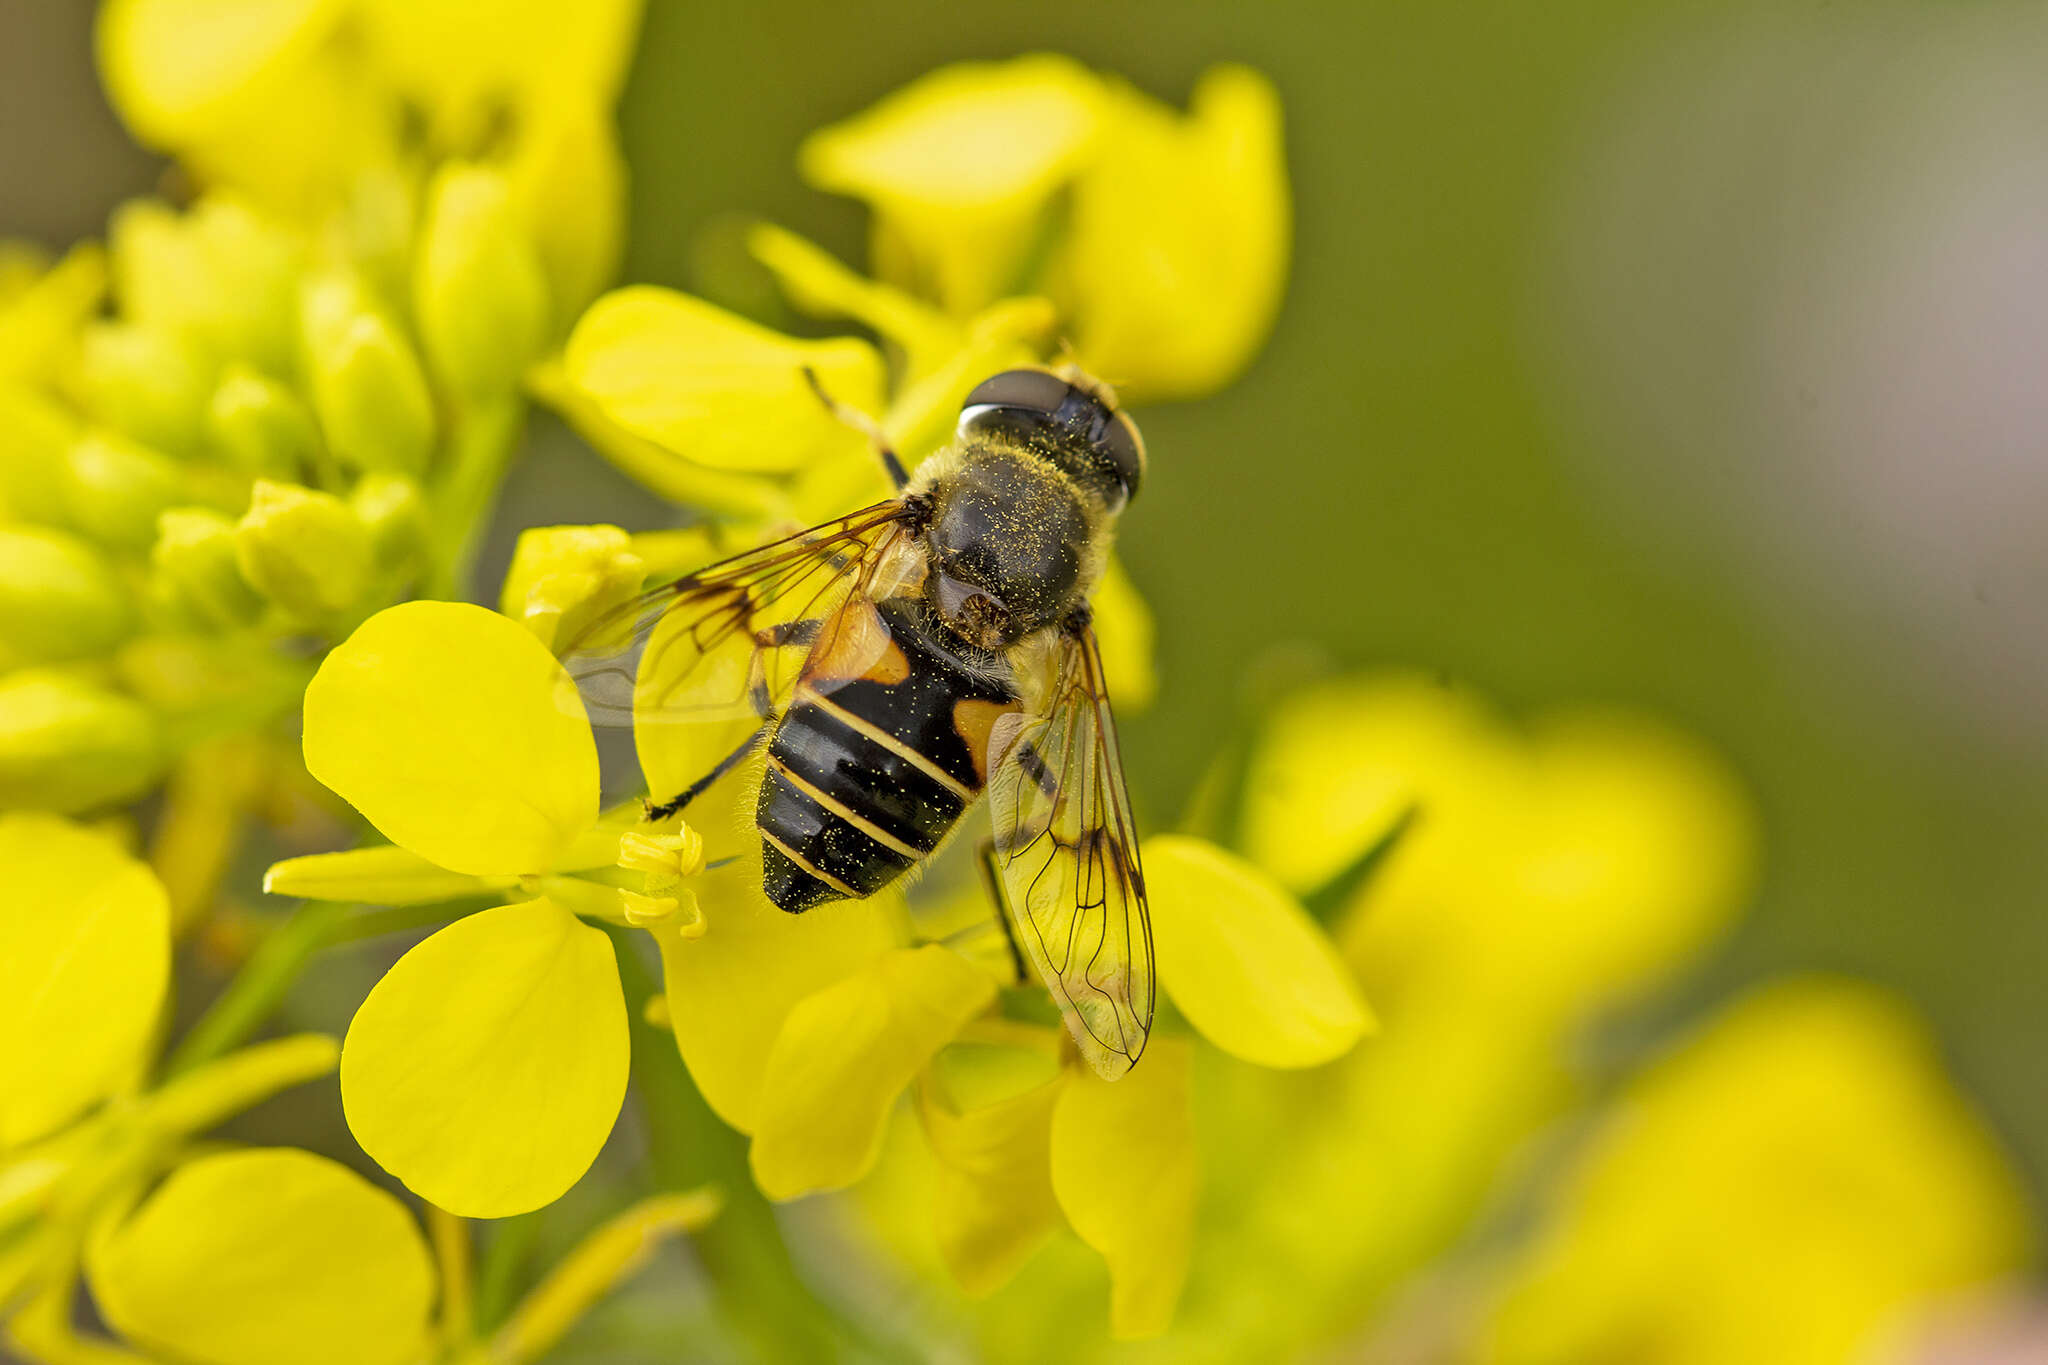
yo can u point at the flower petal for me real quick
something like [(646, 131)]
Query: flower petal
[(1341, 764), (730, 991), (255, 1257), (533, 54), (458, 735), (84, 956), (992, 1202), (1243, 960), (843, 1057), (715, 388), (1178, 253), (176, 68), (959, 166), (487, 1068), (1123, 1168)]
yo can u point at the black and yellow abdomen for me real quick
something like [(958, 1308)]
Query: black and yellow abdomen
[(866, 774)]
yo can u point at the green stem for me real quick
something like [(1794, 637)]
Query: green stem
[(483, 445), (270, 972), (762, 1296)]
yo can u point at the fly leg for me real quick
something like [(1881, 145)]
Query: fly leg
[(863, 424), (770, 637), (992, 876)]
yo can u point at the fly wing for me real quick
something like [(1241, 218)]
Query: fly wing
[(696, 665), (1066, 851)]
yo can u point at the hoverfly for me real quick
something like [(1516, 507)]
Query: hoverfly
[(898, 662)]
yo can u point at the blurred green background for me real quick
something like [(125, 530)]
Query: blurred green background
[(1507, 429)]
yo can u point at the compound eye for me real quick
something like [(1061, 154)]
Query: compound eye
[(1125, 450), (1031, 390)]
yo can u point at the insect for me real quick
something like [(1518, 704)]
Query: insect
[(900, 662)]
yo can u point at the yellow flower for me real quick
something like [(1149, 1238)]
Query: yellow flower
[(1163, 239), (1786, 1186), (486, 1069)]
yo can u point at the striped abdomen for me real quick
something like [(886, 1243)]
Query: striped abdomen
[(866, 774)]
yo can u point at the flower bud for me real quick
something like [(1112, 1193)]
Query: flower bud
[(303, 549), (563, 577), (261, 427), (393, 510), (68, 745), (150, 383), (478, 290), (114, 488), (35, 435), (58, 599), (368, 391), (195, 563)]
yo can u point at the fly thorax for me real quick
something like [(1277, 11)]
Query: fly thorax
[(1009, 543)]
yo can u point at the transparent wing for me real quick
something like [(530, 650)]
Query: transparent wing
[(1066, 851), (697, 666)]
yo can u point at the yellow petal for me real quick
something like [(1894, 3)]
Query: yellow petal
[(729, 991), (487, 1068), (531, 54), (992, 1200), (1177, 258), (177, 68), (715, 388), (960, 167), (1342, 763), (843, 1057), (85, 952), (1780, 1190), (1243, 960), (257, 1257), (458, 735), (1123, 1168), (382, 875), (563, 576)]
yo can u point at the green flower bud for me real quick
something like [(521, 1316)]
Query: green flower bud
[(303, 549), (149, 383), (69, 745), (394, 511), (114, 489), (563, 577), (478, 290), (58, 599), (35, 435), (221, 275), (368, 391), (196, 568), (255, 265), (261, 427)]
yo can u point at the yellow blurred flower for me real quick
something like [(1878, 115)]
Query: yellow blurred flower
[(1162, 238), (304, 104), (1789, 1185)]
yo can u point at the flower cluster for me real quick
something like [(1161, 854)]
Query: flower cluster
[(243, 1256), (251, 420)]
